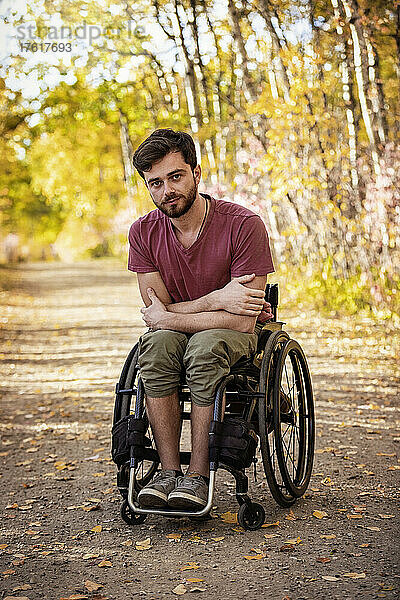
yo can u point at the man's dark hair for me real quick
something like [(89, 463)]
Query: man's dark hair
[(160, 143)]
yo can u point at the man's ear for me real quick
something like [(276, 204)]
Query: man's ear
[(197, 173)]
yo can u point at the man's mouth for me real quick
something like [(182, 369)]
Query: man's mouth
[(171, 200)]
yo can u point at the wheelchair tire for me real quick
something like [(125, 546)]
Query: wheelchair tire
[(251, 516), (130, 517), (126, 380), (266, 429), (124, 406), (294, 427)]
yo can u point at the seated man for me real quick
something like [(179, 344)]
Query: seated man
[(202, 267)]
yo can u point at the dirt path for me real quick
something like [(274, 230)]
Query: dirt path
[(66, 330)]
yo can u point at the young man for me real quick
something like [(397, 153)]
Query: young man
[(202, 267)]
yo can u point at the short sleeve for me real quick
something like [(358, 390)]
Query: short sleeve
[(139, 259), (252, 253)]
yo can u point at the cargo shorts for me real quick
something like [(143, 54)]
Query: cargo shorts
[(168, 358)]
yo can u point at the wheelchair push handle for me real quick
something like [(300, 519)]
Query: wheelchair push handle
[(271, 296)]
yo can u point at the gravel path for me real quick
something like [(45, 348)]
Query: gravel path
[(66, 330)]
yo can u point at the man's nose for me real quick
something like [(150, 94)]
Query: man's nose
[(169, 188)]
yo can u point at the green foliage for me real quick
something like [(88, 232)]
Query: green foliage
[(377, 295)]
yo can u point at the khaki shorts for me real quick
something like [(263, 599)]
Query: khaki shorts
[(167, 358)]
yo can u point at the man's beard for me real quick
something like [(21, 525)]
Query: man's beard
[(178, 210)]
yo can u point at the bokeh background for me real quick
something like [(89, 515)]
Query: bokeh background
[(294, 105)]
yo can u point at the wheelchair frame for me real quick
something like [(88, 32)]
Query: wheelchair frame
[(265, 384)]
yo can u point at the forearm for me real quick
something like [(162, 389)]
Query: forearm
[(207, 303), (194, 322)]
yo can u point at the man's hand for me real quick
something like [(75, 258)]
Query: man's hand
[(154, 315), (238, 299)]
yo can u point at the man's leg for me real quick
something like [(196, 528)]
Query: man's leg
[(160, 360), (165, 420), (200, 422)]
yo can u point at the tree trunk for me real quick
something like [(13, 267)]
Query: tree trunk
[(361, 72)]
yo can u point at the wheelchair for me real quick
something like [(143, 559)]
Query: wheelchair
[(265, 402)]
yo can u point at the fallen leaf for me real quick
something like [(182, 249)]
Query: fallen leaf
[(25, 586), (90, 555), (3, 546), (286, 548), (92, 586), (386, 454), (294, 541), (323, 559), (194, 579), (190, 565), (268, 536), (320, 514), (373, 528), (291, 516), (270, 524), (127, 543), (144, 544), (330, 578), (174, 536), (327, 482), (218, 539), (76, 597), (355, 575), (386, 516), (17, 598), (92, 507), (197, 589), (357, 516), (97, 529), (229, 517), (331, 536), (257, 556), (99, 474), (179, 590), (105, 563)]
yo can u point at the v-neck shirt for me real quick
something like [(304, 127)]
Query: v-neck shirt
[(233, 242)]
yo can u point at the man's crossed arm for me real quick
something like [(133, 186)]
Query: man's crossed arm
[(235, 306)]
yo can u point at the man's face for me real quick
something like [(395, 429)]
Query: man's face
[(172, 184)]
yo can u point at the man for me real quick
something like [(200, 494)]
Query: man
[(202, 267)]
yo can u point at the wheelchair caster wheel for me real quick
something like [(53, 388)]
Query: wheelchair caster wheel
[(251, 516), (130, 517)]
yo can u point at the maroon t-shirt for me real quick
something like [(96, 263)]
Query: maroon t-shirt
[(234, 242)]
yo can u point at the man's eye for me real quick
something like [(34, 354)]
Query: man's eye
[(156, 183), (177, 176)]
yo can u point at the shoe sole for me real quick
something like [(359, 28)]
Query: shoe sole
[(152, 499), (185, 501)]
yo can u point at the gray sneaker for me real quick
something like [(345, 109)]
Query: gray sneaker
[(190, 493), (155, 494)]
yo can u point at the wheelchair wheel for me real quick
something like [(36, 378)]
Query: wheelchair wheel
[(294, 424), (251, 516), (266, 426), (129, 517), (124, 406)]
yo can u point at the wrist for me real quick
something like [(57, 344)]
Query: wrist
[(213, 301), (167, 320)]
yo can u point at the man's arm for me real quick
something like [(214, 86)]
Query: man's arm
[(157, 317), (241, 296)]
